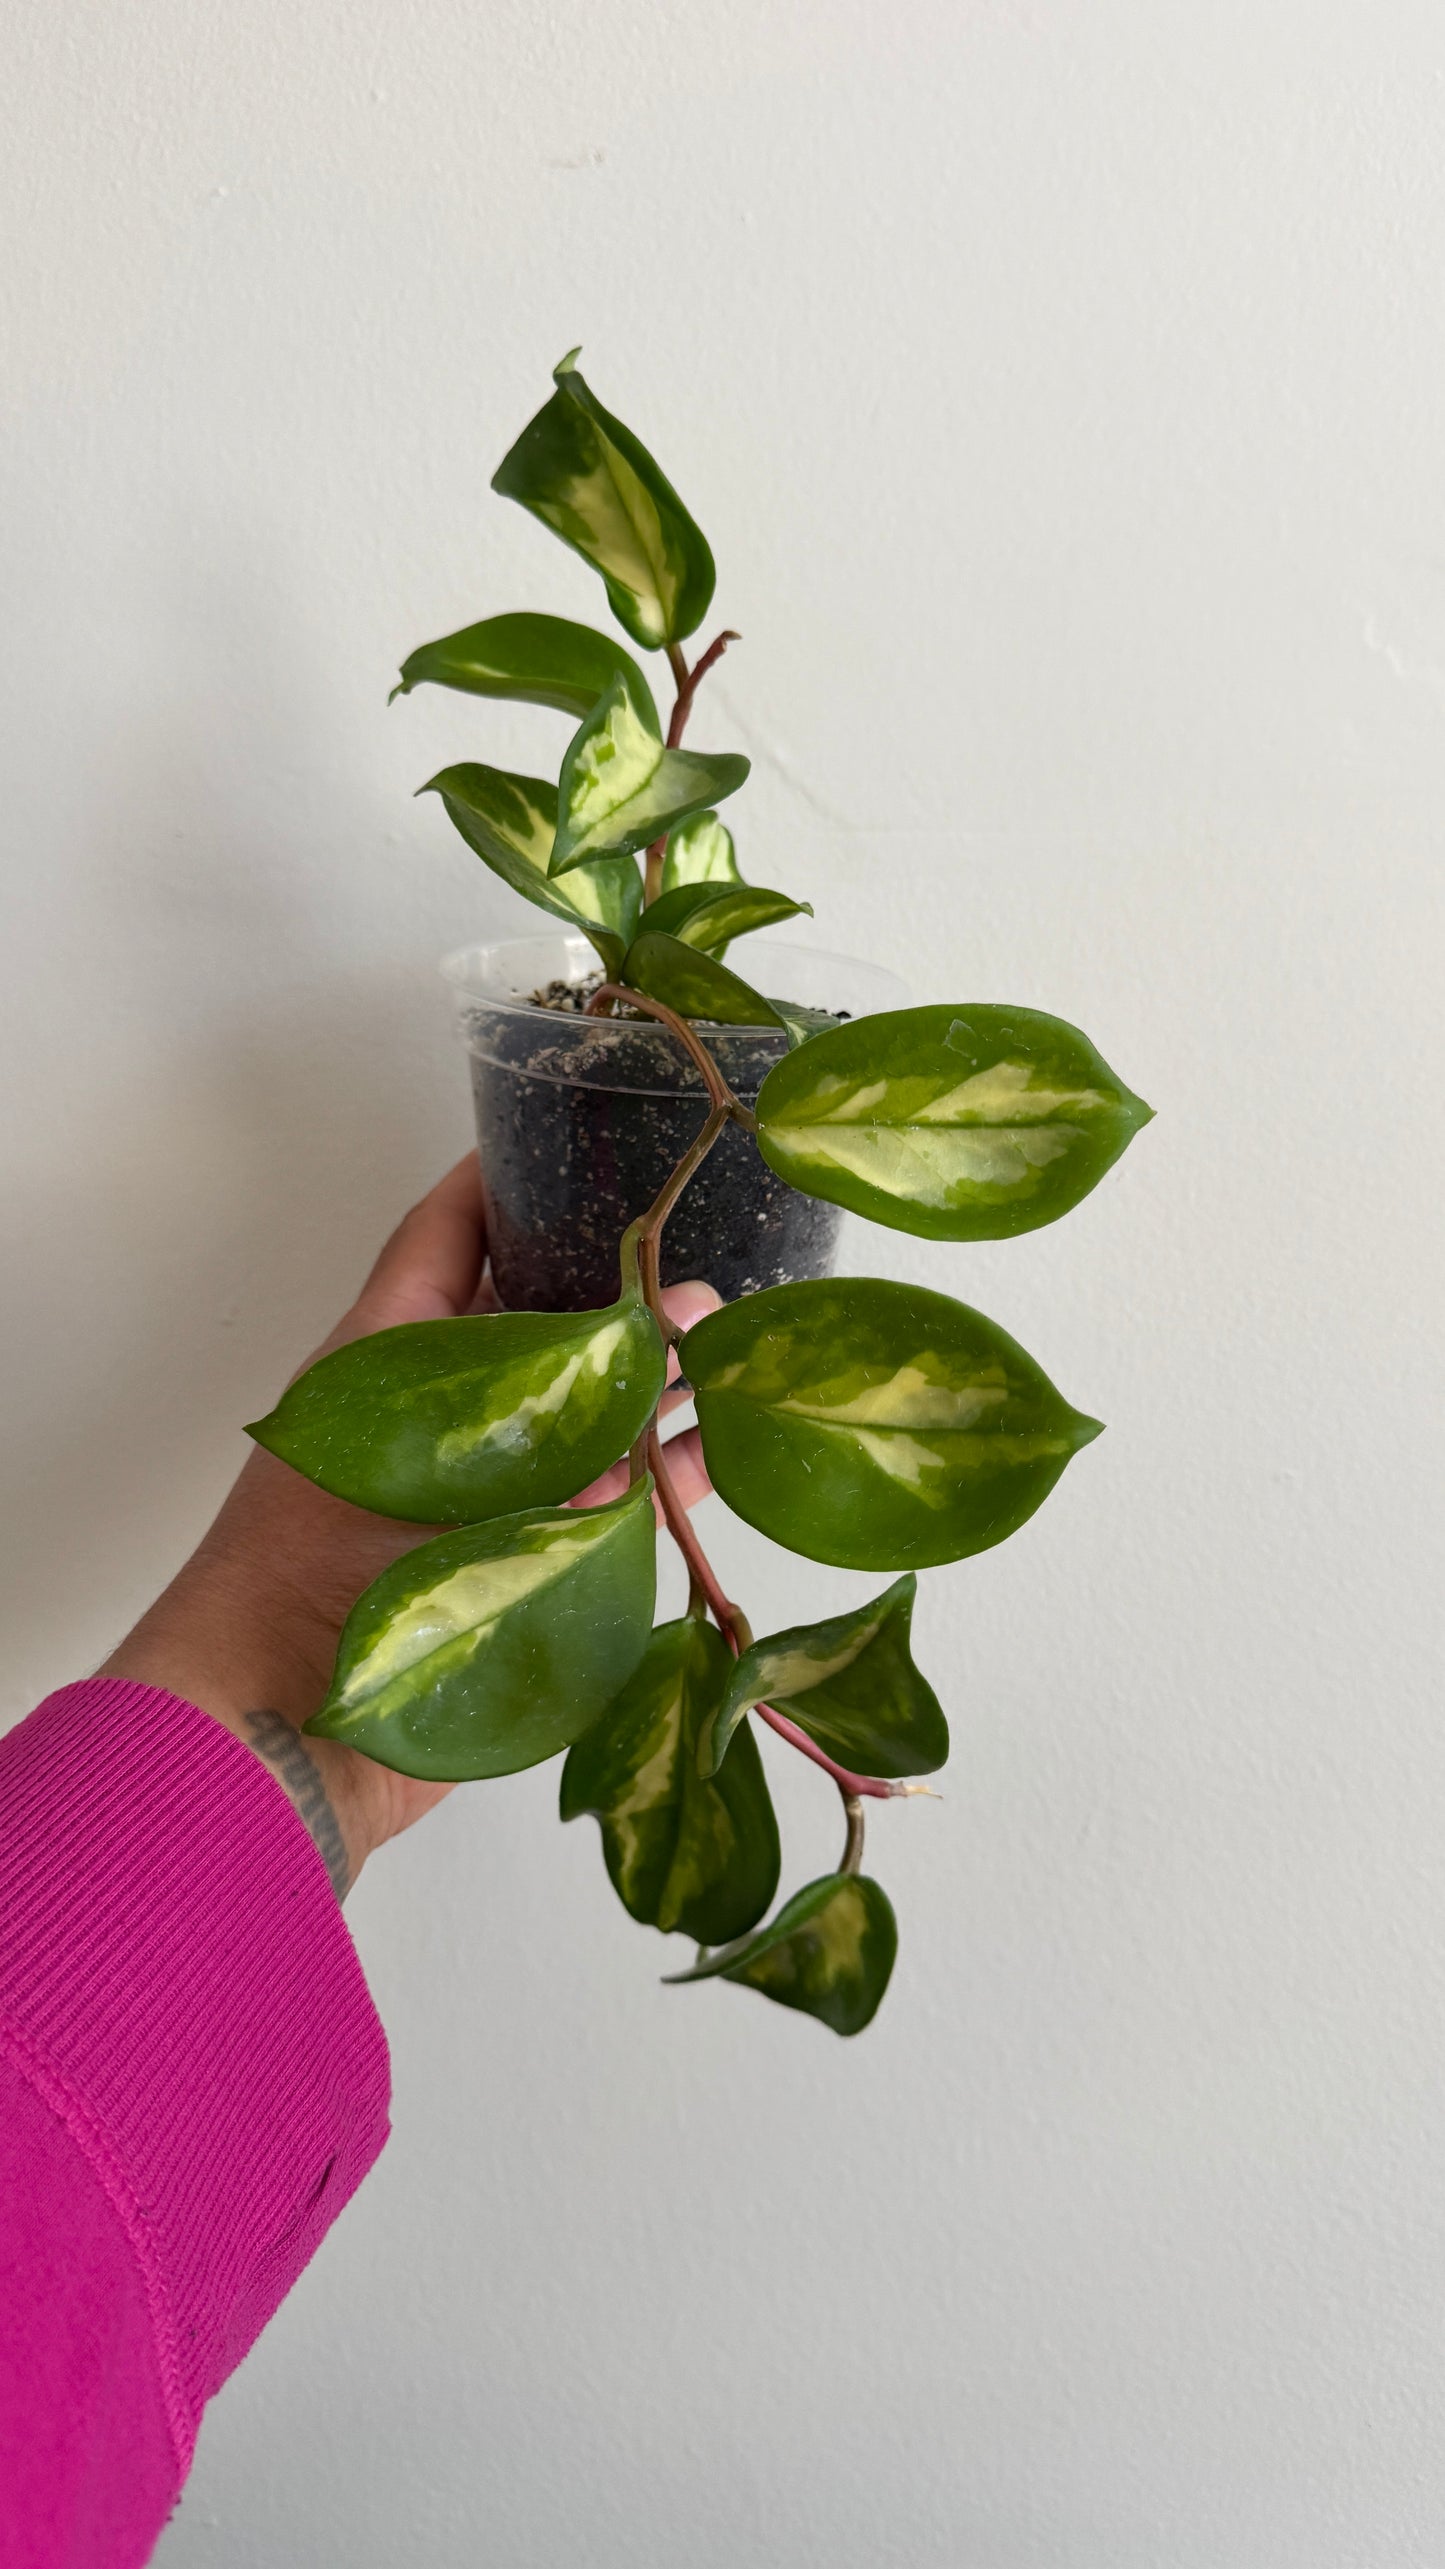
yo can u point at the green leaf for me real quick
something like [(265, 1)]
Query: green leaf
[(537, 659), (710, 915), (620, 789), (588, 478), (667, 913), (956, 1123), (447, 1421), (684, 1854), (496, 1646), (700, 851), (830, 1952), (875, 1425), (849, 1682), (804, 1023), (510, 822), (696, 985)]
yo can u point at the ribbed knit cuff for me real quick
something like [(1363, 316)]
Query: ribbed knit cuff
[(177, 1981)]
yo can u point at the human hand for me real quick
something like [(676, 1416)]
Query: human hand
[(248, 1629)]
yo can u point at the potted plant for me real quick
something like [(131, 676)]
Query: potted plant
[(857, 1421), (580, 1118)]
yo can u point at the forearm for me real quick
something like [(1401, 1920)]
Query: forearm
[(247, 1631), (193, 2081), (212, 1648)]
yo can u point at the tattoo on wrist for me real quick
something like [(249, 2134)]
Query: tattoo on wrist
[(297, 1773)]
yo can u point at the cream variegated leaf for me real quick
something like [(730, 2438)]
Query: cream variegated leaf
[(493, 1647), (829, 1952), (586, 476), (700, 851), (851, 1684), (709, 915), (510, 822), (875, 1425), (685, 1854), (531, 659), (620, 788), (955, 1123), (449, 1421)]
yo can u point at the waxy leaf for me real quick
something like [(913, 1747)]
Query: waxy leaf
[(696, 985), (686, 1854), (448, 1421), (700, 851), (710, 915), (956, 1123), (588, 478), (620, 788), (849, 1682), (510, 822), (875, 1425), (830, 1952), (804, 1023), (536, 659), (496, 1646), (668, 911)]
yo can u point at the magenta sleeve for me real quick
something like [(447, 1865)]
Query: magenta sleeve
[(193, 2080)]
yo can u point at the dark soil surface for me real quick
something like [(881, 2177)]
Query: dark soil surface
[(569, 998), (577, 1135)]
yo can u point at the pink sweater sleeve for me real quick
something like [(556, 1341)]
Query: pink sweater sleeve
[(193, 2080)]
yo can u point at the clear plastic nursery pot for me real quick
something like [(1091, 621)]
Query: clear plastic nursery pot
[(581, 1119)]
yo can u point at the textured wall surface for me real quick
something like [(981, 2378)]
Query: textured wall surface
[(1061, 387)]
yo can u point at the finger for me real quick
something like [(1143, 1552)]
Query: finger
[(684, 1304), (685, 1466), (688, 1303), (431, 1265)]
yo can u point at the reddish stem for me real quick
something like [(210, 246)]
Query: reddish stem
[(687, 682), (699, 1569), (849, 1785), (647, 1232), (703, 1583), (614, 993), (734, 1630)]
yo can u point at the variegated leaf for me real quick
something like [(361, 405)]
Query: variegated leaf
[(829, 1952), (700, 851), (710, 915), (620, 788), (851, 1684), (684, 1854), (803, 1024), (510, 822), (594, 484), (956, 1123), (696, 985), (535, 659), (447, 1421), (875, 1425), (667, 912), (496, 1646)]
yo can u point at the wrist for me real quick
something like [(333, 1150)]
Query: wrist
[(258, 1662)]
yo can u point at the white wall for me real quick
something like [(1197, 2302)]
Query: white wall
[(1062, 389)]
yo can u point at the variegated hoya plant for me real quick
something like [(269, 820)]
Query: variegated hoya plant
[(871, 1424)]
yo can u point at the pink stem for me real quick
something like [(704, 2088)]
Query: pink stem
[(847, 1783)]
